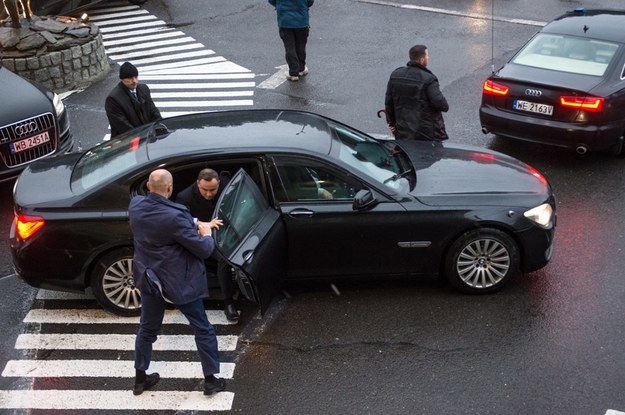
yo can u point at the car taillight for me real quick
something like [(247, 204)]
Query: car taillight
[(493, 88), (27, 226), (592, 104)]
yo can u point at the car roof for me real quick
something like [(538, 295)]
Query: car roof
[(601, 24), (243, 131)]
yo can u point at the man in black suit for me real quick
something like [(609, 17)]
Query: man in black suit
[(130, 104), (201, 198)]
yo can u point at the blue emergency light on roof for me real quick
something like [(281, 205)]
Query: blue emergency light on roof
[(580, 10)]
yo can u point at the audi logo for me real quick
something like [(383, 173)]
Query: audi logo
[(26, 128), (533, 92)]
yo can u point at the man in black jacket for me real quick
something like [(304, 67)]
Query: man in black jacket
[(130, 104), (414, 102), (201, 198)]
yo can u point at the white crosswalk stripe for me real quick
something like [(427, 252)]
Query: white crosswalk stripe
[(105, 368), (175, 66), (97, 316), (114, 400), (65, 341)]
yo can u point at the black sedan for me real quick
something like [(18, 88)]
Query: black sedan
[(565, 87), (309, 198)]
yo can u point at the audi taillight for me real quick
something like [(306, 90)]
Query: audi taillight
[(493, 88), (27, 226), (592, 104)]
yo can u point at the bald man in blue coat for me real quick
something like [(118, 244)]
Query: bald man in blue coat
[(168, 267)]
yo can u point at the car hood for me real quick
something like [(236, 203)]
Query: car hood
[(449, 174), (554, 79), (20, 98), (46, 181)]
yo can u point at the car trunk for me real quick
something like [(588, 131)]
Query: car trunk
[(46, 181), (542, 100)]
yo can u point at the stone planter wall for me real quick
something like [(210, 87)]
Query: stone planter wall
[(57, 52)]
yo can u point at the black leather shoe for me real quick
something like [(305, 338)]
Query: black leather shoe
[(213, 387), (150, 380), (231, 313)]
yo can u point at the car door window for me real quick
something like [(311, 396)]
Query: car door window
[(241, 207), (298, 180)]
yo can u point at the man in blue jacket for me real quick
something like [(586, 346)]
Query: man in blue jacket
[(293, 27), (168, 267)]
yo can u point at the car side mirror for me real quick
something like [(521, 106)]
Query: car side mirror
[(364, 199)]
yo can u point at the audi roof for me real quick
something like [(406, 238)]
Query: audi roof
[(597, 23)]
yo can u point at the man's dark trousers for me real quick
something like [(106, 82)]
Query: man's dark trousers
[(152, 312), (295, 48)]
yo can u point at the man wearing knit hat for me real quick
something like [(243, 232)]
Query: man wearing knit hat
[(130, 104)]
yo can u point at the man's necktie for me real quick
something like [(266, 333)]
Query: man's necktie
[(133, 92)]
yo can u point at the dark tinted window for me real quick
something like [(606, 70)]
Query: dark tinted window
[(307, 180), (110, 159), (241, 207)]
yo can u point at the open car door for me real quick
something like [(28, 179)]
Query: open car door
[(252, 239)]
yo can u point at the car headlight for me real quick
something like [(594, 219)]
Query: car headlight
[(59, 107), (541, 215)]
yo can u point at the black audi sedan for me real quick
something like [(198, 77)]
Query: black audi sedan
[(309, 198), (565, 87), (33, 124)]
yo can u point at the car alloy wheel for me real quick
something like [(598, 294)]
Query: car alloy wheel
[(113, 284), (482, 261)]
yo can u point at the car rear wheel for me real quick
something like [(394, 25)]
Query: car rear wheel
[(482, 261), (113, 284)]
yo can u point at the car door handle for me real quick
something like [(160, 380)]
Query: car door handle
[(248, 255), (301, 213)]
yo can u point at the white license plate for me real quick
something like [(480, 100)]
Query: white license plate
[(30, 142), (532, 107)]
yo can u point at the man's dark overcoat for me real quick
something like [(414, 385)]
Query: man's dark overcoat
[(167, 243), (414, 103), (125, 113)]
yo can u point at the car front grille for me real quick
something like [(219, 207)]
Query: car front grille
[(8, 135)]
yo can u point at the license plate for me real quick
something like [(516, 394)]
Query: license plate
[(30, 142), (532, 107)]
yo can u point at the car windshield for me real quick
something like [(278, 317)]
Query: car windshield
[(380, 160), (107, 160), (567, 54)]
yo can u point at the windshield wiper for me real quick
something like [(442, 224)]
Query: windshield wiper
[(398, 176)]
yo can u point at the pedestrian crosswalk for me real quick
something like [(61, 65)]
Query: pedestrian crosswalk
[(184, 75), (73, 347)]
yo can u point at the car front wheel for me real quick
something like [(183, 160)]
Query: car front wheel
[(113, 285), (482, 261)]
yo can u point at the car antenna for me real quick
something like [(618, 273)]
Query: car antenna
[(492, 36)]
